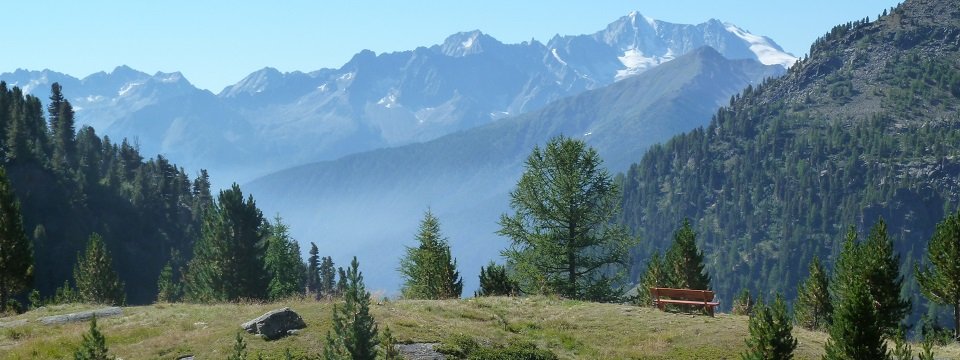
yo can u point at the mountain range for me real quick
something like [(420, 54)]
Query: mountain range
[(272, 120), (465, 177)]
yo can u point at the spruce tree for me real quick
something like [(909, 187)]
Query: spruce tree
[(227, 263), (429, 272), (313, 271), (494, 281), (94, 344), (563, 239), (855, 332), (940, 282), (239, 349), (770, 333), (63, 130), (814, 307), (684, 262), (354, 333), (16, 250), (94, 276), (282, 262)]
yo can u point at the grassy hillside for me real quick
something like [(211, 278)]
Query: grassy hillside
[(572, 329)]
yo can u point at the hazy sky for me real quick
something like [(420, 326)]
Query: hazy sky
[(217, 43)]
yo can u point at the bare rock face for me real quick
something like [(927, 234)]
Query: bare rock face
[(275, 324), (81, 316)]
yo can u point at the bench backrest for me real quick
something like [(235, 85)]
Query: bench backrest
[(682, 294)]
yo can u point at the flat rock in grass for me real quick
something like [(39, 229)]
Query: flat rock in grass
[(275, 324), (81, 316), (420, 351)]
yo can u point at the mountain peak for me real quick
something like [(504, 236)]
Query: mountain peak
[(468, 43)]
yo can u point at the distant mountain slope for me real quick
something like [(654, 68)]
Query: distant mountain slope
[(368, 204), (868, 126), (277, 120)]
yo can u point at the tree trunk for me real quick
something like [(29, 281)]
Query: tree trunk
[(956, 321), (3, 295)]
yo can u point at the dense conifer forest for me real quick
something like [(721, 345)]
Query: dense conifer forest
[(72, 183), (865, 128)]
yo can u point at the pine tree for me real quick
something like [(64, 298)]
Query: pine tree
[(94, 276), (282, 262), (884, 279), (168, 288), (429, 272), (228, 258), (941, 281), (563, 239), (873, 265), (684, 262), (743, 304), (16, 250), (494, 281), (813, 307), (328, 275), (855, 332), (653, 276), (770, 333), (313, 271), (388, 345), (94, 344), (354, 333), (239, 349)]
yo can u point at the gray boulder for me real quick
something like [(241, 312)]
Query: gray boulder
[(275, 324)]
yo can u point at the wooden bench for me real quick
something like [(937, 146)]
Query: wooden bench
[(686, 297)]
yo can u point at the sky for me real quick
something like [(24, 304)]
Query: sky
[(216, 43)]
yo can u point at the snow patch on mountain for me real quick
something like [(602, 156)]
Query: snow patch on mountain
[(767, 52)]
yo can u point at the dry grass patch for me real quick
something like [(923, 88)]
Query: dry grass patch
[(571, 329)]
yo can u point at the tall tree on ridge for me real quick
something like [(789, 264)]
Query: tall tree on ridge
[(313, 271), (63, 129), (282, 262)]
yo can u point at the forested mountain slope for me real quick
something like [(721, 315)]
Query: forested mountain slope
[(71, 184), (866, 127)]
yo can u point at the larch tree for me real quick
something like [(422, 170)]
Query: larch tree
[(813, 307), (16, 250), (562, 238), (428, 270), (940, 281), (96, 280)]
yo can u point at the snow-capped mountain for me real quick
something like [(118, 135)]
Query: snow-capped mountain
[(271, 120)]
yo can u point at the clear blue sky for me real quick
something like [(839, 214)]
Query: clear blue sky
[(216, 43)]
